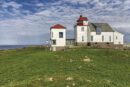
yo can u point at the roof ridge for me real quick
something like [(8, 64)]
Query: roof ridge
[(58, 26)]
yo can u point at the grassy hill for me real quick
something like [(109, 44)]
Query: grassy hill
[(36, 67)]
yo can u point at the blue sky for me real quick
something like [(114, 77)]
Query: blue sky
[(28, 21)]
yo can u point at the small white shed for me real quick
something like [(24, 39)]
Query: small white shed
[(58, 37)]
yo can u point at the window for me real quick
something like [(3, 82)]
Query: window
[(82, 29), (107, 43), (60, 34), (102, 38), (53, 42), (116, 37), (110, 38), (89, 44), (82, 38), (91, 38), (98, 31)]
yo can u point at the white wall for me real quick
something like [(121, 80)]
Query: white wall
[(118, 38), (79, 34), (85, 23), (59, 41), (98, 38)]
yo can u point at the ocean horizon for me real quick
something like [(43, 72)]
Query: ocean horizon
[(9, 47)]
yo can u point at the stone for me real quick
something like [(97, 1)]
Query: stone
[(73, 84), (69, 78), (87, 60)]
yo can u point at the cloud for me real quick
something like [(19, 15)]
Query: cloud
[(11, 4), (34, 28), (23, 31)]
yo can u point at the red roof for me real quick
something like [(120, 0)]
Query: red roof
[(81, 18), (58, 26), (80, 24)]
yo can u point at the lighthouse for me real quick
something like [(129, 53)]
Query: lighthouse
[(82, 31), (58, 37)]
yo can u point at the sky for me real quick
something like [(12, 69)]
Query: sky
[(28, 22)]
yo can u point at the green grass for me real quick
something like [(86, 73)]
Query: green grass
[(32, 67)]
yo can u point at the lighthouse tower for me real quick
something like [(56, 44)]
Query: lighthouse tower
[(58, 37), (82, 31)]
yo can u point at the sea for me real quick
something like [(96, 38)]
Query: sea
[(9, 47)]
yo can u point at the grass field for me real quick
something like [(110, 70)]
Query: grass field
[(36, 67)]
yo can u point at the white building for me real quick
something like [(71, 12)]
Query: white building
[(58, 37), (86, 34), (82, 31), (96, 34), (118, 38)]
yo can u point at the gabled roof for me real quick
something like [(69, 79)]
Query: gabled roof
[(103, 26), (58, 26)]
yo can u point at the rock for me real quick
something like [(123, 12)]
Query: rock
[(69, 78), (89, 81), (67, 86), (73, 84), (87, 60), (50, 79)]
